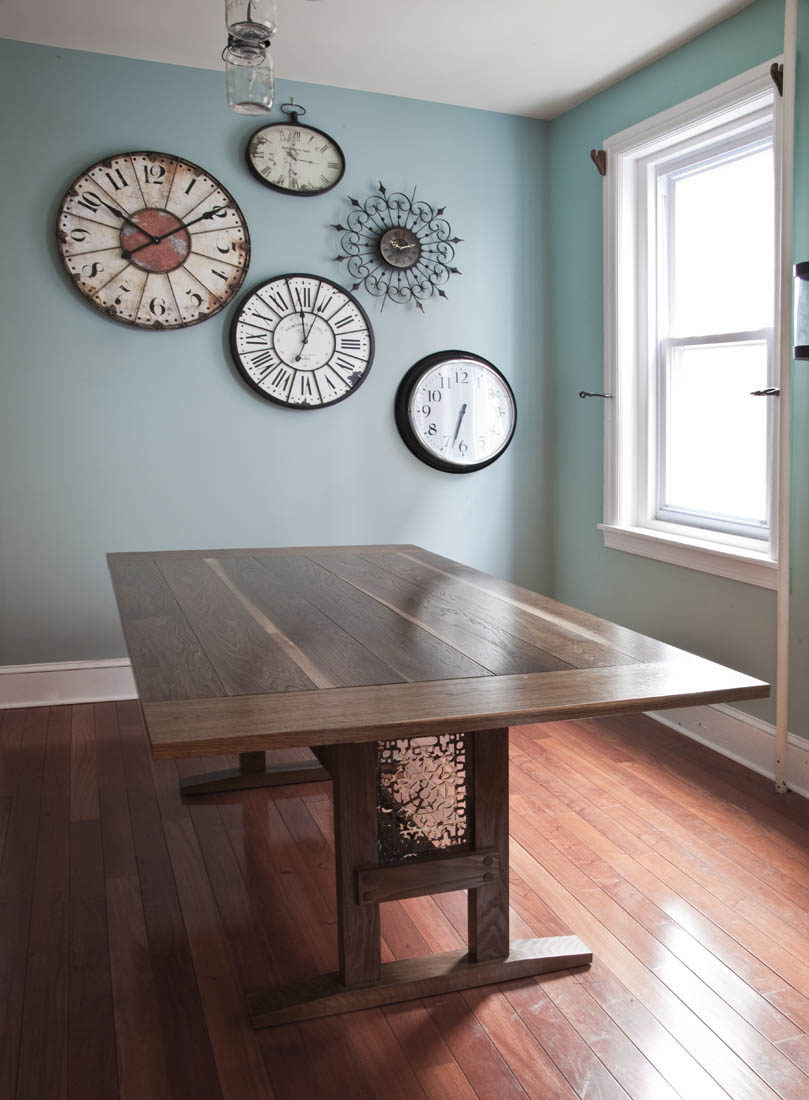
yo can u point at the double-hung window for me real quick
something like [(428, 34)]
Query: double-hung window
[(691, 232)]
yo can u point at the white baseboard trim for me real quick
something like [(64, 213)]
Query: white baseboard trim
[(745, 739), (66, 682)]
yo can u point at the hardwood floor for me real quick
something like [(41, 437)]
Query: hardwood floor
[(132, 924)]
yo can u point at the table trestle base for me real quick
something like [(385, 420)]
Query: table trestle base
[(253, 771), (326, 995)]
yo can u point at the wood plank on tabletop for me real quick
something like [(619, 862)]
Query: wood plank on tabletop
[(329, 716), (116, 558), (467, 630), (339, 656), (413, 653), (626, 641), (247, 658), (167, 658), (474, 605)]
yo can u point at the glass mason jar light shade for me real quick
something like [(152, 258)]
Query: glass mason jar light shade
[(248, 78), (251, 21)]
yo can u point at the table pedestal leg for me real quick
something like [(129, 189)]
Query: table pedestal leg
[(364, 879), (253, 771)]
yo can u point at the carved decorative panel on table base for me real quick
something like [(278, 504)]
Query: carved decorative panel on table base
[(414, 817)]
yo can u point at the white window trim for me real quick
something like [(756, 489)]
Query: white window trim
[(624, 244)]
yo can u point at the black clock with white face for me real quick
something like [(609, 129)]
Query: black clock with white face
[(295, 159), (455, 411), (302, 341)]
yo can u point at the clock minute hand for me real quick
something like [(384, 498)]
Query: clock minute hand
[(458, 425), (122, 216)]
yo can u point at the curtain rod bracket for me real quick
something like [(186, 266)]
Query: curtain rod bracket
[(599, 159), (777, 74)]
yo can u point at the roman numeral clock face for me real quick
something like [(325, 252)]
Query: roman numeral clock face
[(302, 341), (153, 240)]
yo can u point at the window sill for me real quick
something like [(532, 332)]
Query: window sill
[(738, 565)]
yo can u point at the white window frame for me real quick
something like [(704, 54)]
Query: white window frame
[(634, 159)]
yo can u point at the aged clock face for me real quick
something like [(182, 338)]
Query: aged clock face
[(153, 240), (455, 411), (295, 159), (400, 247), (302, 341)]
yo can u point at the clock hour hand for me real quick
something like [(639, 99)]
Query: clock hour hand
[(121, 215), (458, 425)]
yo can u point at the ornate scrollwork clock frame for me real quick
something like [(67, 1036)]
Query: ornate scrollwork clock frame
[(399, 248)]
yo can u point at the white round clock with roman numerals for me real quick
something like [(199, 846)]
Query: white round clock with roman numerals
[(455, 411), (153, 240), (302, 341)]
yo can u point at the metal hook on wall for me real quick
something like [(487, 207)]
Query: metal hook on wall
[(586, 393)]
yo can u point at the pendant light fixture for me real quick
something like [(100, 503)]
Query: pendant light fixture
[(248, 63)]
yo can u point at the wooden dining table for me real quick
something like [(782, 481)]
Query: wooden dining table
[(402, 671)]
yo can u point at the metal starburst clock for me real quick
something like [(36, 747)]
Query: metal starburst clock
[(399, 248)]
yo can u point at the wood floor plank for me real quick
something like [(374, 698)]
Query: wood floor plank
[(139, 1035), (648, 898), (42, 1073), (239, 1066), (152, 917), (23, 747), (83, 770), (606, 936), (190, 1062), (482, 1064), (92, 1063)]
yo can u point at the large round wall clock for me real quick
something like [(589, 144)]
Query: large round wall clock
[(153, 240), (293, 158), (455, 411), (302, 341)]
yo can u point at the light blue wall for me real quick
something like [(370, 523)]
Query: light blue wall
[(117, 439), (729, 622)]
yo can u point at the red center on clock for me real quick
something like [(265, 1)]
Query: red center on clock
[(137, 239)]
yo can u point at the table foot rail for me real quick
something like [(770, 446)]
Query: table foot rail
[(405, 979)]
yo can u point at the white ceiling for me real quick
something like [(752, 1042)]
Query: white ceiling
[(527, 57)]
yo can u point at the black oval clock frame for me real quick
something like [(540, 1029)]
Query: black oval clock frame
[(402, 400), (236, 358), (289, 190)]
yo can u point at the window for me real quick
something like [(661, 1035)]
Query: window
[(691, 219)]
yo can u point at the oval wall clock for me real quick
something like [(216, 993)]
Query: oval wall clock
[(455, 411), (153, 240), (302, 341), (294, 158)]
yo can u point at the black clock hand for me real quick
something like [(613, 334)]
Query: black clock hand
[(122, 216), (458, 425), (306, 335), (183, 225)]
